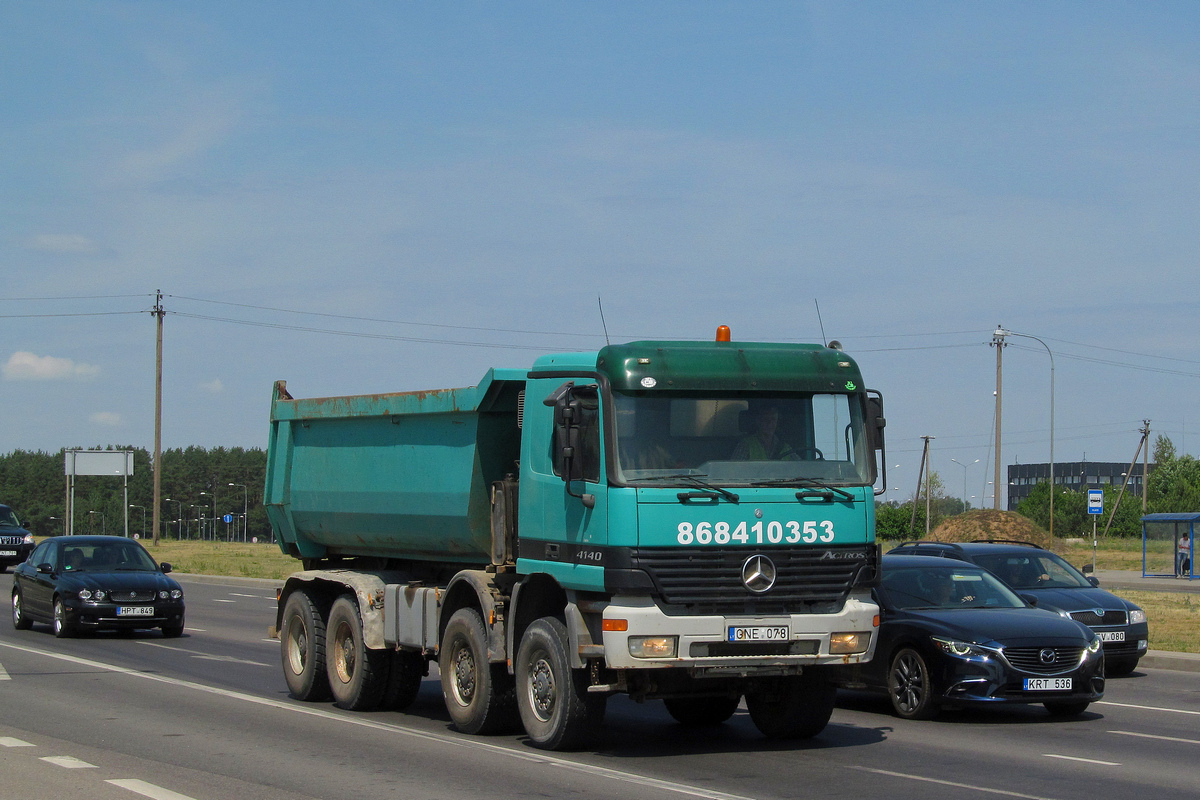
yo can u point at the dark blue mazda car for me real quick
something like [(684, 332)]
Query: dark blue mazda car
[(952, 635)]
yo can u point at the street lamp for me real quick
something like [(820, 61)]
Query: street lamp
[(245, 508), (63, 521), (103, 523), (964, 466), (213, 495), (1049, 353), (143, 508), (199, 530), (178, 517)]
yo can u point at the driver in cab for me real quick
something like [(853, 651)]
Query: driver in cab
[(762, 444)]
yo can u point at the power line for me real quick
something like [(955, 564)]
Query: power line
[(80, 314)]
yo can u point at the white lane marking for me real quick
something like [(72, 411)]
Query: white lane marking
[(1145, 708), (219, 600), (955, 784), (8, 741), (4, 676), (1084, 760), (148, 789), (68, 762), (197, 630), (206, 656), (1153, 736), (444, 739)]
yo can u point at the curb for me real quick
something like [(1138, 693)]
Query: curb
[(228, 580), (1163, 659)]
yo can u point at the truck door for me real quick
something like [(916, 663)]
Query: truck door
[(564, 497)]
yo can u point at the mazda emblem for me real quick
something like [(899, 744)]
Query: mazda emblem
[(758, 574), (1046, 655)]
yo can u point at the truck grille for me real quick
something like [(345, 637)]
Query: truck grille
[(1090, 618), (709, 580), (1028, 659)]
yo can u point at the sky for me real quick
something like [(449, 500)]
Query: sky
[(382, 196)]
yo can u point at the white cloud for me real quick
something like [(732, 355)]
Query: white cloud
[(108, 418), (63, 243), (213, 386), (25, 366)]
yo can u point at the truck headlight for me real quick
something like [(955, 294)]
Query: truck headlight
[(653, 646), (843, 643), (1137, 615)]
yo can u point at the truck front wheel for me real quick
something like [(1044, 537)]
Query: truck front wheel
[(302, 636), (792, 708), (556, 710), (358, 675), (479, 695)]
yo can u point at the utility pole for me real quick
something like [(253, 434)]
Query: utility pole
[(1145, 431), (158, 314), (922, 472), (1145, 463), (998, 343)]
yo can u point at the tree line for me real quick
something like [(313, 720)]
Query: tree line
[(33, 484), (1173, 486)]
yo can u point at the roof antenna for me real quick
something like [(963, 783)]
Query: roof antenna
[(824, 341), (602, 322)]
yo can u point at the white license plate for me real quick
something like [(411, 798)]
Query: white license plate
[(759, 633), (135, 611), (1111, 636), (1047, 684), (8, 552)]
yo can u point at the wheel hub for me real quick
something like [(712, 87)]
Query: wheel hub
[(541, 689), (464, 675)]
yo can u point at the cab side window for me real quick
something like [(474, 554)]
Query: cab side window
[(41, 553)]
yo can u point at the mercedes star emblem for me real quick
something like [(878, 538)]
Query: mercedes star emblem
[(758, 574)]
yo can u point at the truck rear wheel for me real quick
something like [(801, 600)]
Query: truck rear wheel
[(479, 695), (302, 639), (404, 680), (556, 710), (701, 710), (358, 675), (792, 708)]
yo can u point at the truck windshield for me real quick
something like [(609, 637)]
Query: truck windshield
[(741, 439)]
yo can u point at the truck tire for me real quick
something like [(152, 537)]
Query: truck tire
[(555, 707), (479, 695), (302, 645), (358, 675), (792, 708), (404, 680), (701, 710)]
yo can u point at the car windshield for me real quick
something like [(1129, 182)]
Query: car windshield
[(1038, 569), (106, 557), (8, 519), (742, 439), (941, 587)]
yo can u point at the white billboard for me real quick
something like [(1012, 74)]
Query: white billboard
[(99, 462)]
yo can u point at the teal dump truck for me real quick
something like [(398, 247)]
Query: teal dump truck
[(675, 520)]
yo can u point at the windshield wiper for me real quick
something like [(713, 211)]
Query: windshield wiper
[(827, 489), (694, 479)]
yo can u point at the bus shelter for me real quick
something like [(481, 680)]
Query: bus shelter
[(1169, 545)]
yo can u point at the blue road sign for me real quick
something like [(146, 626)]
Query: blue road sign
[(228, 518), (1095, 501)]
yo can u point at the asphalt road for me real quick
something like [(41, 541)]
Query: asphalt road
[(207, 717)]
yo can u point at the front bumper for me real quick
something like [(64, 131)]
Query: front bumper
[(979, 681), (703, 647), (104, 615)]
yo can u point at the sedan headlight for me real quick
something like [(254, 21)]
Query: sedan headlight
[(1094, 645), (89, 595), (163, 595), (1136, 615), (961, 649), (177, 594), (85, 594)]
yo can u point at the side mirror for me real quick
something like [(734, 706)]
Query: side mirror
[(1093, 580), (1031, 599), (165, 567), (876, 422), (45, 568), (1087, 569)]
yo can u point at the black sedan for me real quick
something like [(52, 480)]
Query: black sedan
[(952, 635), (1056, 586), (15, 541), (87, 583)]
